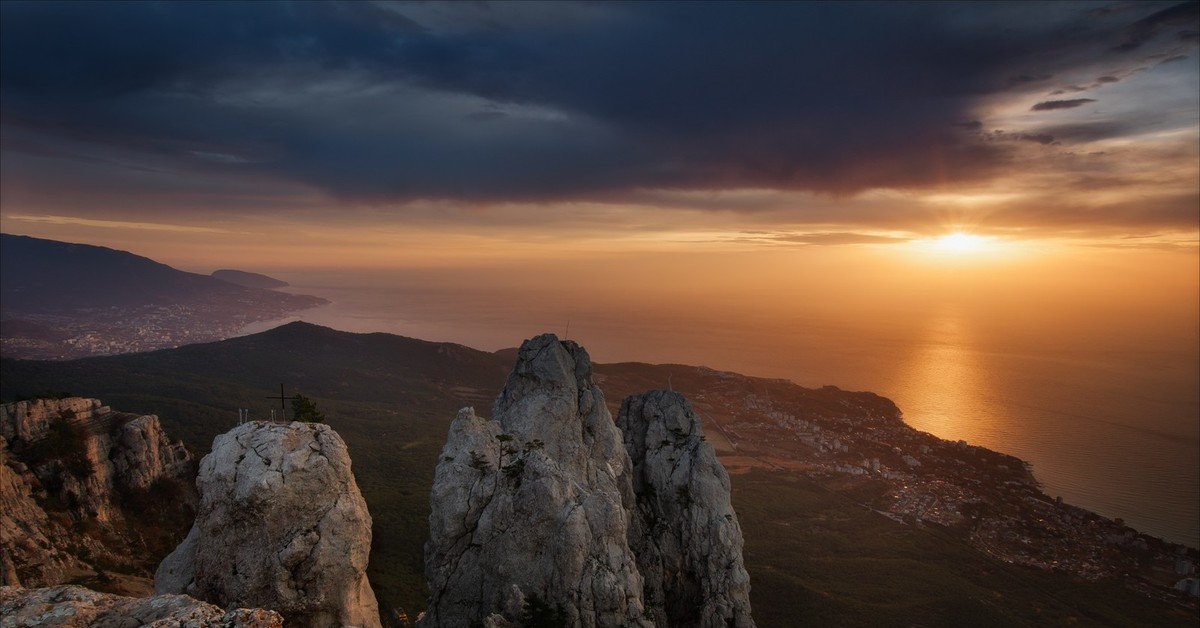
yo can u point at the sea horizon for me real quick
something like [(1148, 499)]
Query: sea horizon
[(1106, 428)]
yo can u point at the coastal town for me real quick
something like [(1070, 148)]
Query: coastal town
[(858, 445), (129, 329)]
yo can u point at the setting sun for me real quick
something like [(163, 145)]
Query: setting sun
[(959, 242), (965, 246)]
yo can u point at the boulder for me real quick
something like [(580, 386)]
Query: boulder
[(281, 525)]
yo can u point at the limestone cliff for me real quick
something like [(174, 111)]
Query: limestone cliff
[(281, 525), (684, 531), (540, 513), (27, 536), (77, 607), (71, 474)]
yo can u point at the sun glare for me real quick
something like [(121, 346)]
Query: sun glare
[(961, 246), (960, 242)]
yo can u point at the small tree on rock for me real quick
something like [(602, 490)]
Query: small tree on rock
[(305, 410)]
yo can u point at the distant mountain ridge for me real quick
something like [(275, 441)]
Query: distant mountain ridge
[(52, 277), (248, 279), (62, 300)]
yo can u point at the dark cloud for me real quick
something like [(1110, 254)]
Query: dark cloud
[(1037, 138), (1044, 139), (1090, 131), (1180, 19), (1050, 105), (511, 101)]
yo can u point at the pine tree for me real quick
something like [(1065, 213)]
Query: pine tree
[(305, 409)]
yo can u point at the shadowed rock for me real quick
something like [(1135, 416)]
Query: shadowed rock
[(80, 456), (684, 531)]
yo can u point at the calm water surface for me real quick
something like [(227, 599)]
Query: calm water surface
[(1107, 416)]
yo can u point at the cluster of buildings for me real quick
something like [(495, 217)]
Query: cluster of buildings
[(857, 443), (120, 330)]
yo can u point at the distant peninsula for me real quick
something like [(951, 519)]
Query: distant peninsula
[(60, 300), (248, 279)]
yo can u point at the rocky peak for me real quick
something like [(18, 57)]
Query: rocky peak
[(550, 398), (544, 509), (684, 531), (527, 507), (281, 525)]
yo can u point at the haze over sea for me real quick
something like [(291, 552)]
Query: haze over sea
[(1100, 395)]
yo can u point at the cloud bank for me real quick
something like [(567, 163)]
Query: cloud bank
[(249, 105)]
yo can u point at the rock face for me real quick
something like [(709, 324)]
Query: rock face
[(76, 607), (71, 464), (281, 525), (26, 547), (527, 508), (535, 515), (684, 531)]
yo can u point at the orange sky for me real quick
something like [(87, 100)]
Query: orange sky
[(471, 136)]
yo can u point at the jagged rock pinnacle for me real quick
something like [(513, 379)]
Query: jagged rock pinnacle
[(527, 506), (535, 510)]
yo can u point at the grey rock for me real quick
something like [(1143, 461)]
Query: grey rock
[(77, 607), (528, 506), (281, 525), (684, 531)]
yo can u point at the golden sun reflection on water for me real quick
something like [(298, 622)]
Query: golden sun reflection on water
[(946, 386)]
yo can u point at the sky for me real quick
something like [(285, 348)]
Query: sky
[(988, 211), (270, 134)]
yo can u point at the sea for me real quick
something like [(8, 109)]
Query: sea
[(1104, 402)]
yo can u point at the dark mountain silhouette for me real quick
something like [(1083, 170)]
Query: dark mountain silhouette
[(50, 277), (61, 300), (249, 280)]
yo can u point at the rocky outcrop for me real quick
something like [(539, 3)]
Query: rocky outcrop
[(542, 511), (71, 468), (684, 531), (281, 525), (30, 544), (527, 507), (77, 607), (29, 421), (141, 453)]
